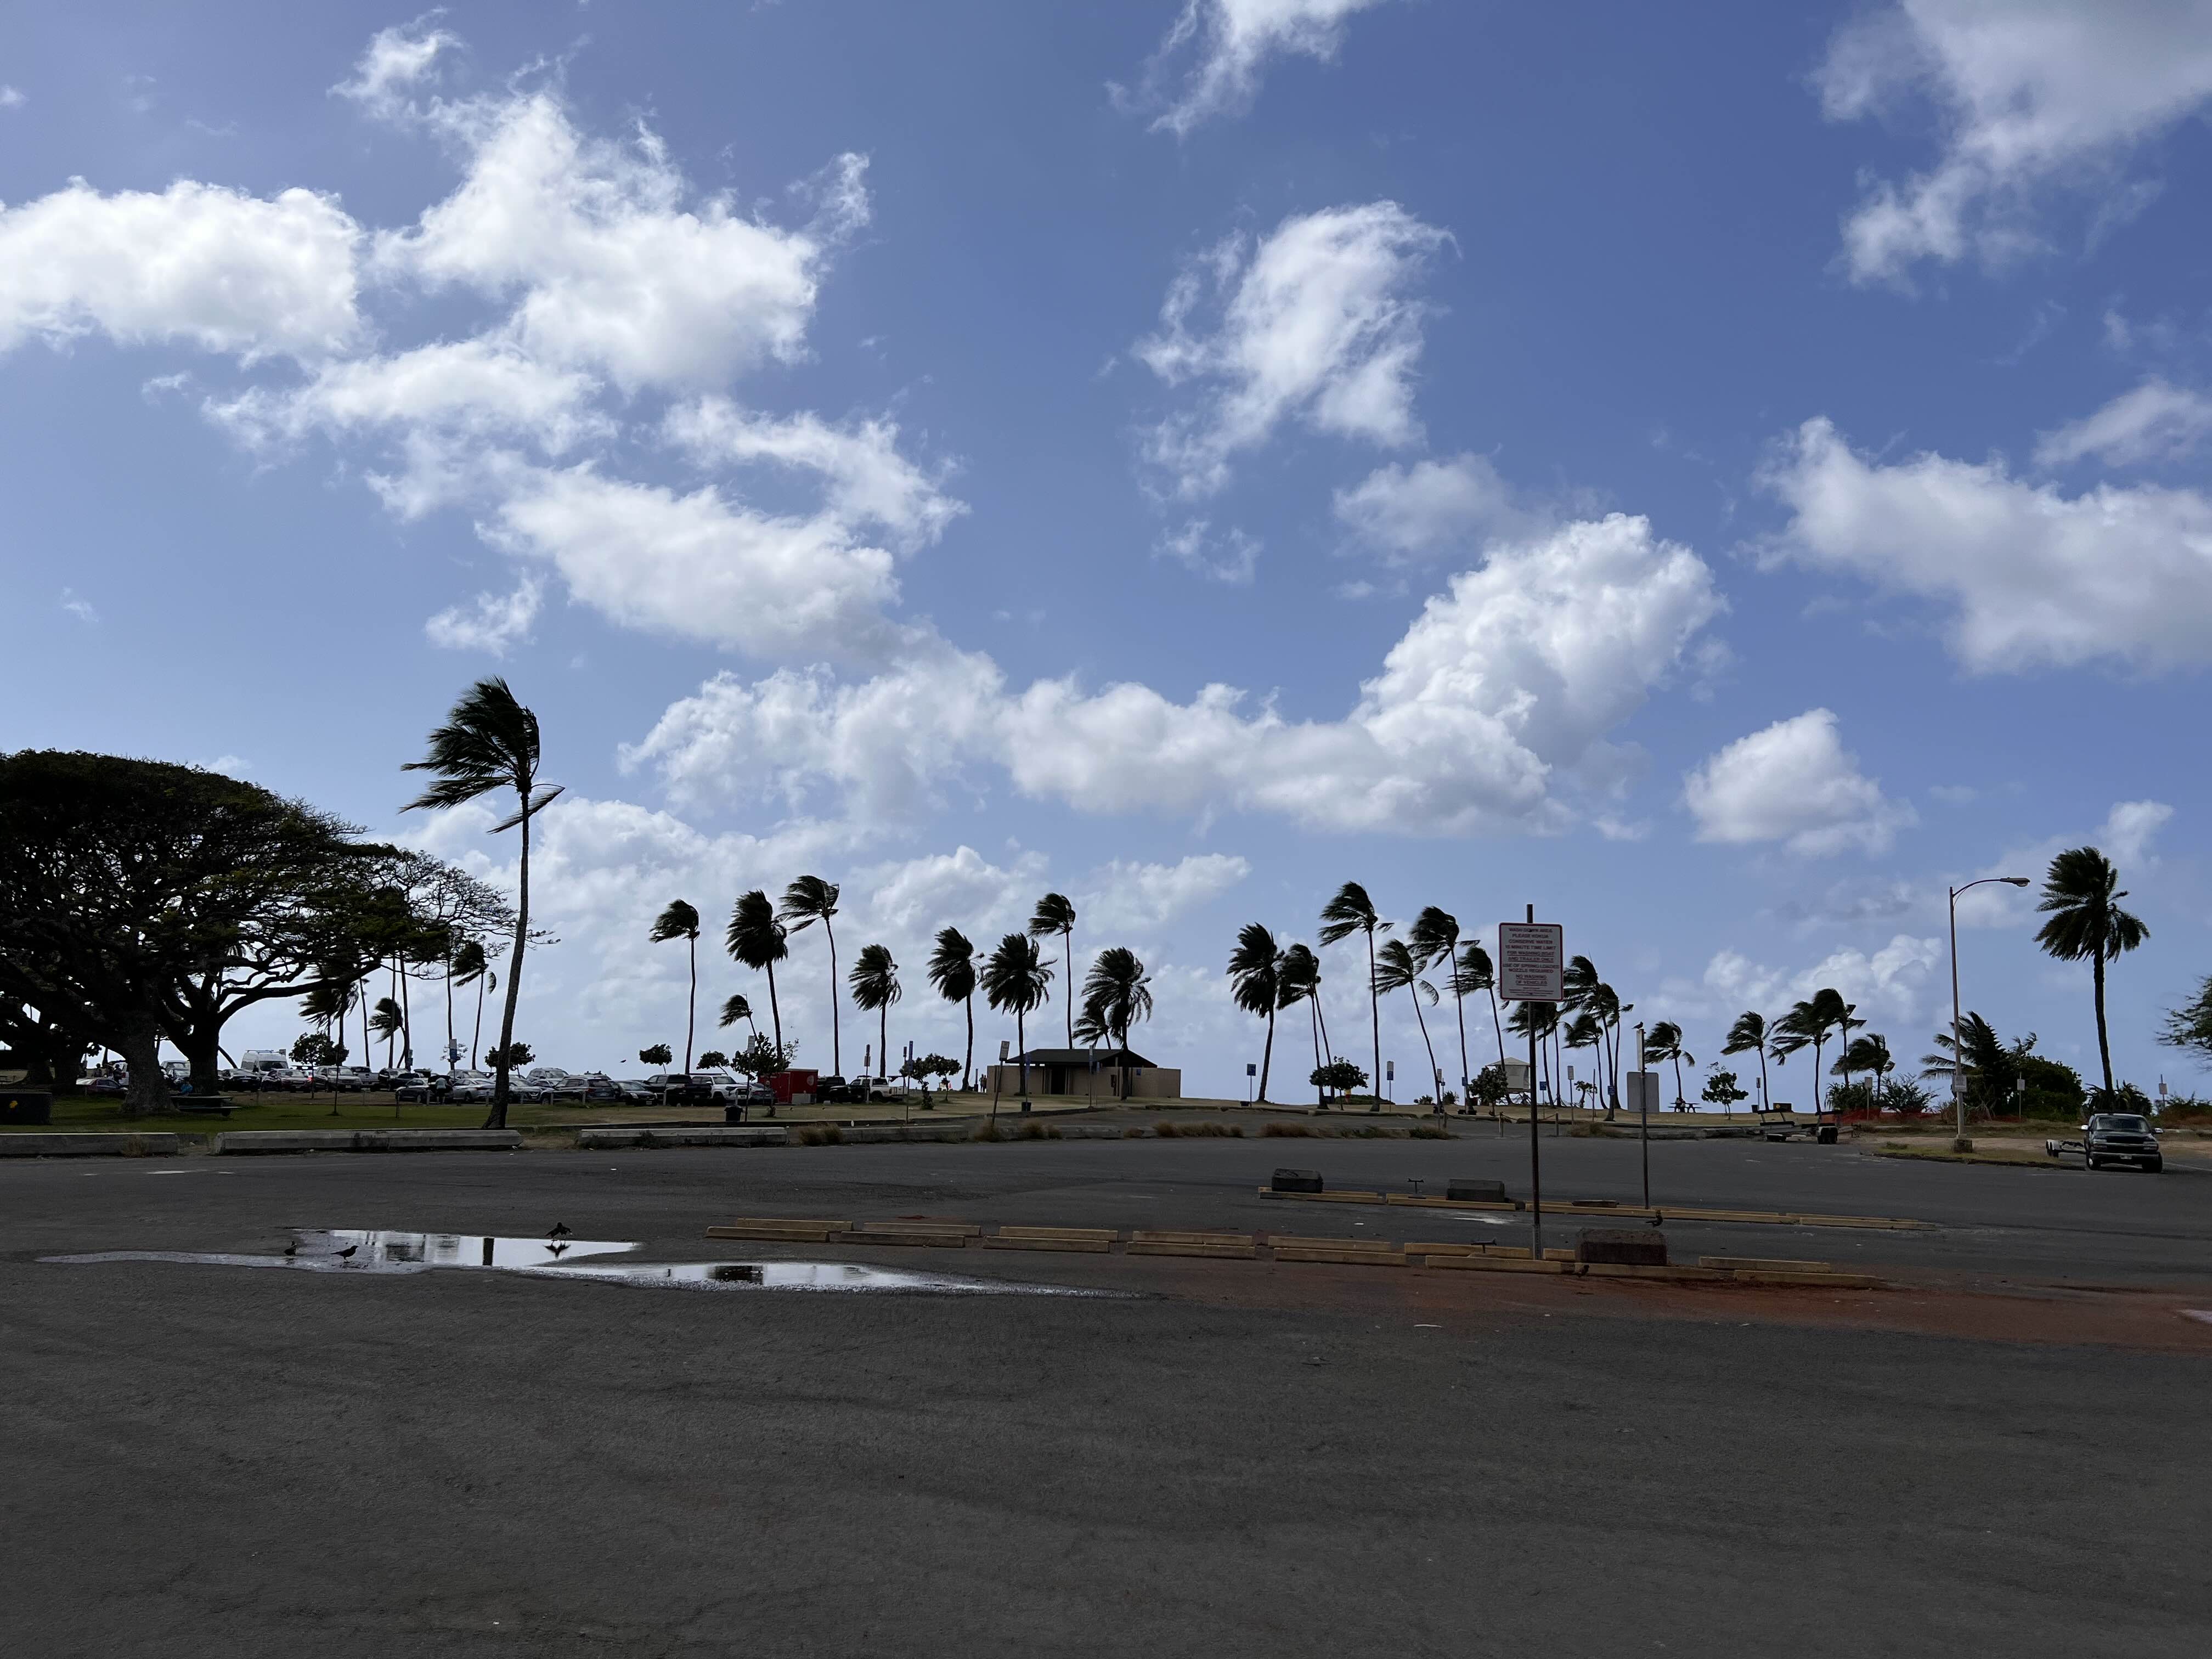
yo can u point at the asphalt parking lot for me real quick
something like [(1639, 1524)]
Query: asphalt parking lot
[(1226, 1458)]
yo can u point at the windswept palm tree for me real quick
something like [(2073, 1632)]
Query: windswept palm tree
[(1255, 969), (1869, 1054), (806, 902), (1750, 1035), (1473, 972), (1056, 913), (1016, 979), (1664, 1042), (1352, 912), (1811, 1024), (1298, 979), (1538, 1020), (2082, 892), (1117, 993), (387, 1022), (756, 939), (680, 920), (874, 980), (488, 743), (952, 971), (736, 1008), (1977, 1062), (1396, 967), (1435, 937), (1587, 1030)]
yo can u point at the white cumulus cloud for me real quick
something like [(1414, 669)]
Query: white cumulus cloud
[(494, 623), (1404, 513), (1314, 322), (198, 264), (2031, 95), (2155, 422), (1793, 782), (2031, 577)]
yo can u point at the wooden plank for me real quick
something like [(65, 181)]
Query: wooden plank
[(1496, 1264), (1303, 1239), (1092, 1246), (1356, 1258), (1245, 1249), (1176, 1236), (1763, 1264), (1678, 1275), (1061, 1234), (952, 1238), (797, 1232), (1326, 1198), (876, 1229), (1826, 1281)]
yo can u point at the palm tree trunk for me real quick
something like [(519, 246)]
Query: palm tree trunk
[(368, 1042), (1375, 1018), (1459, 1004), (1267, 1058), (449, 1016), (836, 1041), (691, 1014), (968, 1060), (776, 1018), (1022, 1041), (1816, 1077), (2103, 1042), (497, 1118), (1765, 1099), (883, 1043), (1500, 1026), (1426, 1043), (1319, 1099), (475, 1037), (406, 1017), (1678, 1080), (1067, 956)]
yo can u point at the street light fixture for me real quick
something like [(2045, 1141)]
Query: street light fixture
[(1958, 1052)]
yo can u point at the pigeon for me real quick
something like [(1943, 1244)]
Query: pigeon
[(560, 1231), (293, 1249)]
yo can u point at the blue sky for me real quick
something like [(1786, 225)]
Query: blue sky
[(1718, 480)]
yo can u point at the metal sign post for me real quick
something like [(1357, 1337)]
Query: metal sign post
[(1532, 968)]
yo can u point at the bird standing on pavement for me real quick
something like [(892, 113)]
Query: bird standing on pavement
[(560, 1231), (347, 1253)]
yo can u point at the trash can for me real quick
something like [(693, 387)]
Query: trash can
[(19, 1105)]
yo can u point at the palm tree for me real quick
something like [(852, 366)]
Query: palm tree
[(1866, 1053), (1056, 913), (1255, 970), (1810, 1023), (952, 971), (489, 742), (1981, 1063), (1472, 973), (1587, 1030), (1664, 1042), (1015, 978), (1117, 993), (1352, 912), (2080, 893), (1750, 1035), (1435, 937), (680, 920), (1396, 967), (874, 980), (806, 902), (736, 1008), (387, 1022), (1538, 1020), (1298, 979), (756, 939)]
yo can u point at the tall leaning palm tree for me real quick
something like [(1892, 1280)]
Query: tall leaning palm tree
[(1475, 972), (490, 743), (1015, 980), (1397, 967), (1298, 979), (1255, 969), (1750, 1035), (735, 1007), (756, 939), (1812, 1024), (1352, 912), (680, 920), (952, 971), (1056, 913), (472, 967), (806, 902), (1435, 937), (1664, 1042), (2082, 892), (1117, 992), (874, 980)]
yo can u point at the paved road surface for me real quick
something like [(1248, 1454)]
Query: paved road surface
[(205, 1461)]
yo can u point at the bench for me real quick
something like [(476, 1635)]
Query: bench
[(202, 1105)]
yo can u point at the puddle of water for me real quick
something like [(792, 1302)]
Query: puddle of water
[(339, 1250)]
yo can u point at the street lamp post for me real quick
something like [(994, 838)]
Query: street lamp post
[(1957, 1055)]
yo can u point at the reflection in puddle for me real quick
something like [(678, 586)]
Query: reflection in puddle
[(379, 1252)]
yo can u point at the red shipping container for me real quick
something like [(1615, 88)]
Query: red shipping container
[(785, 1084)]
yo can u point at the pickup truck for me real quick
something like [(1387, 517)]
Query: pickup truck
[(2124, 1138)]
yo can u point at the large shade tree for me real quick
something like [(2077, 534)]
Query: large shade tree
[(489, 745), (806, 902), (2082, 892), (122, 880)]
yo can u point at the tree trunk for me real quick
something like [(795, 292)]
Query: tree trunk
[(691, 1014), (1375, 1018), (1500, 1026), (406, 1017), (1423, 1021), (449, 1055), (883, 1043), (475, 1037), (497, 1117), (968, 1058), (837, 1045), (1816, 1077), (1267, 1058), (1465, 1077), (1022, 1041), (202, 1048), (1764, 1098), (1319, 1099), (1067, 956), (2103, 1042), (138, 1040)]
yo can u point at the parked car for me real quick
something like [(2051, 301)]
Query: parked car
[(346, 1080), (678, 1089), (423, 1087)]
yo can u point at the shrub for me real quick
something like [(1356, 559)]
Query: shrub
[(827, 1134), (986, 1130), (1429, 1132), (1287, 1129)]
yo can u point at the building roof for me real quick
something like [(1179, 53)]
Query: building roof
[(1083, 1057)]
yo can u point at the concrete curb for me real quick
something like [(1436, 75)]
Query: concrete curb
[(91, 1143), (236, 1141)]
